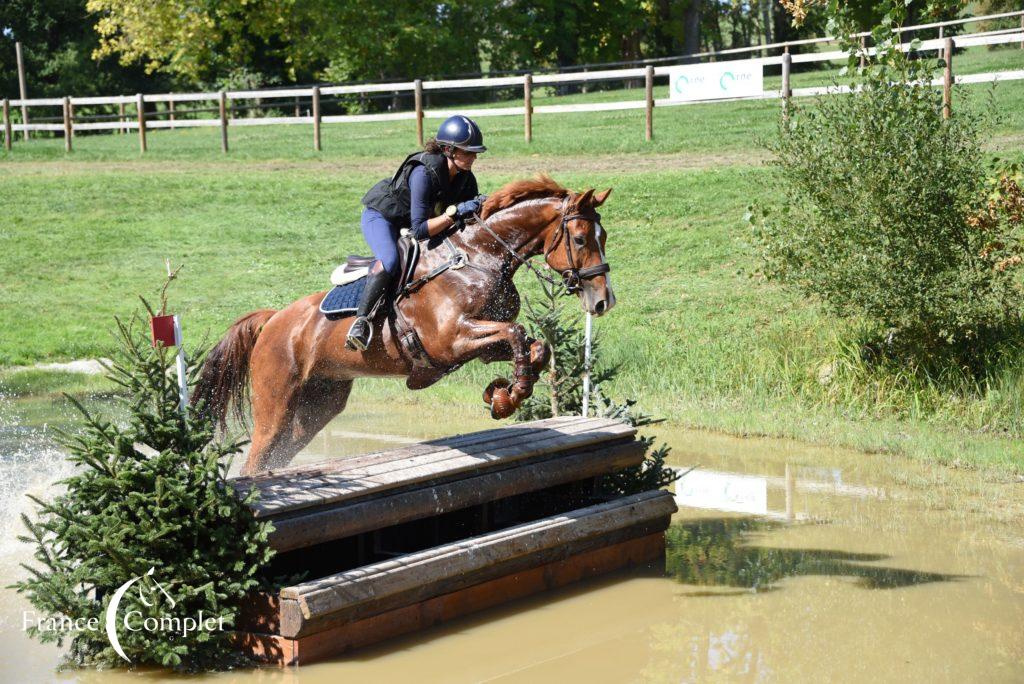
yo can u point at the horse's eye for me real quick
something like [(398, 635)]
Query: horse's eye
[(579, 240)]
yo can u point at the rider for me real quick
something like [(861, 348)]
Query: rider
[(431, 191)]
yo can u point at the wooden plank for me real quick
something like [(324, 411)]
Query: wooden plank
[(67, 124), (140, 107), (348, 519), (222, 108), (348, 637), (349, 484), (316, 119), (457, 441), (528, 107), (308, 607), (418, 98), (649, 102), (7, 125)]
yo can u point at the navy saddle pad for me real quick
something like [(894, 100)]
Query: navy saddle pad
[(343, 299)]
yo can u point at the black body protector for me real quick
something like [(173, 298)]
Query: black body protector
[(391, 196)]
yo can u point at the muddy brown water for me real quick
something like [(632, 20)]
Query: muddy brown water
[(884, 570)]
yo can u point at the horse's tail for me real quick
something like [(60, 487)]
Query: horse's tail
[(224, 379)]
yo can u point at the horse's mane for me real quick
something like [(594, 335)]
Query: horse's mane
[(541, 185)]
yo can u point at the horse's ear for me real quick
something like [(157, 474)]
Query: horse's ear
[(585, 199), (600, 197)]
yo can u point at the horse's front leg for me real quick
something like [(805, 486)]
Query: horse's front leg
[(501, 340)]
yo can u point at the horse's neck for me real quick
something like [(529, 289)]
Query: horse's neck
[(523, 230)]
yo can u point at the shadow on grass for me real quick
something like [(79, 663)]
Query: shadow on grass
[(718, 552)]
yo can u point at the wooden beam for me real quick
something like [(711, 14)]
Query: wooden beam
[(22, 88), (66, 109), (787, 90), (348, 637), (947, 81), (223, 107), (316, 118), (528, 106), (354, 594), (170, 110), (649, 95), (7, 124), (404, 467), (349, 519), (121, 118), (140, 107), (418, 99)]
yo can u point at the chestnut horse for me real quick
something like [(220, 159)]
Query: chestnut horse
[(301, 372)]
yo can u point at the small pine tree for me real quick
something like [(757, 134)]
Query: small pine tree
[(151, 494), (560, 390)]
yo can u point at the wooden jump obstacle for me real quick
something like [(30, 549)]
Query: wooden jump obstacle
[(400, 540)]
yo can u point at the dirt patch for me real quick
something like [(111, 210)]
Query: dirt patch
[(524, 165)]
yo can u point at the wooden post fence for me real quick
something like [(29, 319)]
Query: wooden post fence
[(140, 106), (649, 94), (67, 124), (947, 81), (121, 118), (863, 51), (787, 91), (170, 109), (71, 116), (223, 104), (528, 107), (22, 87), (316, 118), (7, 124), (298, 110), (942, 53), (418, 97)]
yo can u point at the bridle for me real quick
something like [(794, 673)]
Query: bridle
[(572, 277)]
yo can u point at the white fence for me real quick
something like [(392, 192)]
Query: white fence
[(144, 120)]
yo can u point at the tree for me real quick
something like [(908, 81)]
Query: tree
[(58, 41)]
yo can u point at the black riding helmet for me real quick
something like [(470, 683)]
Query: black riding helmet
[(461, 132)]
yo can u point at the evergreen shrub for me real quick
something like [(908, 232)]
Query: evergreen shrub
[(149, 499)]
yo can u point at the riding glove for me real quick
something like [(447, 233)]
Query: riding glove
[(468, 208)]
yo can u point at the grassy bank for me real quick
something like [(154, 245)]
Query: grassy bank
[(700, 337)]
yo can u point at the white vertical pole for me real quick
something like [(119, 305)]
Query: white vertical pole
[(586, 367), (182, 378)]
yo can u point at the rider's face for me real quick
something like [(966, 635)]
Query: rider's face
[(463, 159)]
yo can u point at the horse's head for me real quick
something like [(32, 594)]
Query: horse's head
[(575, 248)]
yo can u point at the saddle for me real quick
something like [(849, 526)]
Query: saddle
[(350, 278)]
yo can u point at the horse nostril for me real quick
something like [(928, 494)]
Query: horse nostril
[(599, 307)]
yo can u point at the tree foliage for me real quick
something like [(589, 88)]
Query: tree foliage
[(151, 494), (883, 209), (342, 40)]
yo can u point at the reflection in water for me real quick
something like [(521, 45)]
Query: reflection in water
[(718, 552)]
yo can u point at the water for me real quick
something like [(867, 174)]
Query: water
[(867, 567)]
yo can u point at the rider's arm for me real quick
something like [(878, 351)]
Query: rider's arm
[(419, 195)]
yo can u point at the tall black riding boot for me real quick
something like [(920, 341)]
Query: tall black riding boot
[(361, 332)]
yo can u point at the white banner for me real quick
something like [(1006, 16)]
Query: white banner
[(723, 492), (738, 78)]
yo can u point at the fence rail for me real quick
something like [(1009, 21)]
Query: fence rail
[(146, 120)]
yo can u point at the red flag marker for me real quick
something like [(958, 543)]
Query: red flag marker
[(163, 330)]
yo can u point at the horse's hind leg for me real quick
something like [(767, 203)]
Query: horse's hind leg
[(285, 422)]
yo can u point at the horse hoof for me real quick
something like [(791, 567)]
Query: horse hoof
[(540, 353), (502, 405), (495, 384)]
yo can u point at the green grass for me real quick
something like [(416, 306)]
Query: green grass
[(701, 339)]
